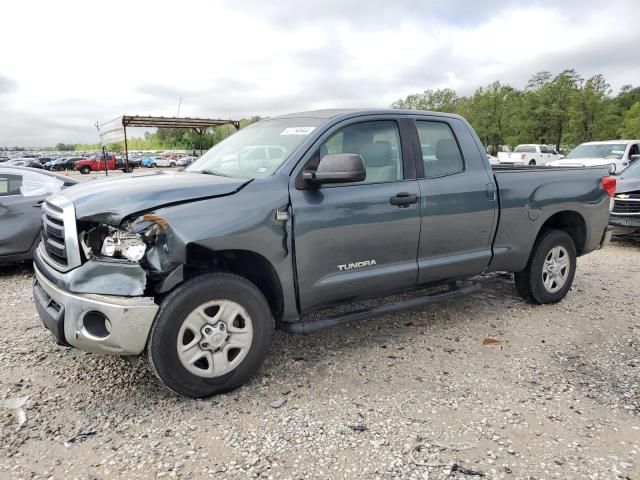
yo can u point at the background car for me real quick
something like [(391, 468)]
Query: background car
[(22, 191), (616, 154), (625, 214), (25, 162), (62, 164)]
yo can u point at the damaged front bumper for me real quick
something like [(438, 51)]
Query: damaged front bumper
[(92, 322)]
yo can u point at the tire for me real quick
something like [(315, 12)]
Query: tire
[(530, 283), (153, 165), (532, 163), (85, 170), (172, 322), (172, 164)]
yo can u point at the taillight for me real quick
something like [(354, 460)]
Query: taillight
[(609, 184)]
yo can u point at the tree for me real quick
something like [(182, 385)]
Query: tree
[(591, 110), (440, 100), (630, 127)]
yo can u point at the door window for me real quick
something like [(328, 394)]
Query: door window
[(440, 152), (10, 185), (378, 143)]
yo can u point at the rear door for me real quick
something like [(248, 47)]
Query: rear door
[(458, 201), (350, 241)]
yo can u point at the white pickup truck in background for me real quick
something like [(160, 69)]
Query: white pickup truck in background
[(530, 154)]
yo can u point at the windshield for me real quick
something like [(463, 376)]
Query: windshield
[(257, 150), (632, 171), (599, 150)]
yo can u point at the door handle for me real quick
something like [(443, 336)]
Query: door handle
[(403, 199)]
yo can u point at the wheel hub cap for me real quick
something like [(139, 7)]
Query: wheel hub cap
[(555, 270), (214, 338)]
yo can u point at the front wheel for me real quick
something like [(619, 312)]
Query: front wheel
[(210, 336), (85, 170), (550, 270), (532, 163)]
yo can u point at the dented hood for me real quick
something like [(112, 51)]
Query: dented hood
[(110, 200)]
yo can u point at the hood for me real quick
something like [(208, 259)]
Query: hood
[(624, 185), (112, 199)]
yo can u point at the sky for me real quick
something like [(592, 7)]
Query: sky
[(67, 64)]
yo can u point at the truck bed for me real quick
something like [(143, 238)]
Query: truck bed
[(532, 197)]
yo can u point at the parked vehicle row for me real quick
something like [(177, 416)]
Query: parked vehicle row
[(359, 204), (625, 214)]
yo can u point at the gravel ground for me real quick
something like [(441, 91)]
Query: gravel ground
[(481, 385)]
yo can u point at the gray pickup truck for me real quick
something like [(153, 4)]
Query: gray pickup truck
[(290, 217)]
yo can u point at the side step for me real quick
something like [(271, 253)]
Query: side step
[(315, 325)]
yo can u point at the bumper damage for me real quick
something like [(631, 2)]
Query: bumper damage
[(94, 323)]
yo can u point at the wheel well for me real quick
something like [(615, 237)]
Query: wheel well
[(570, 222), (250, 265)]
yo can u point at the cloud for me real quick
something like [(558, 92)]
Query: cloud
[(7, 85), (242, 58)]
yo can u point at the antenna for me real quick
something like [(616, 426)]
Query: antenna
[(179, 104)]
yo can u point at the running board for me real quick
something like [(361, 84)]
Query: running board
[(316, 325)]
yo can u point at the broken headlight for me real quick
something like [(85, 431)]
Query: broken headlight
[(120, 243)]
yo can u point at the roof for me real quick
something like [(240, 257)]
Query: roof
[(68, 180), (336, 112)]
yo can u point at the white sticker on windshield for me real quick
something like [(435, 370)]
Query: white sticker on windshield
[(617, 151), (298, 130)]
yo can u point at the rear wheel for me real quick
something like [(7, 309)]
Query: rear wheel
[(85, 170), (550, 270), (172, 164), (532, 162), (210, 336), (153, 165)]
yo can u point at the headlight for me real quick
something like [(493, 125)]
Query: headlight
[(124, 244)]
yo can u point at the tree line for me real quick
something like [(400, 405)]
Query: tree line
[(562, 110)]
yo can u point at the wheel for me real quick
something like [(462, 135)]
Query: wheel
[(153, 165), (85, 170), (532, 162), (550, 270), (172, 164), (130, 169), (210, 335)]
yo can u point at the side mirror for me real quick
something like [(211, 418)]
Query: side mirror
[(560, 157), (337, 168), (634, 158)]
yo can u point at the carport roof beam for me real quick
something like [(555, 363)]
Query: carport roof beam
[(175, 122)]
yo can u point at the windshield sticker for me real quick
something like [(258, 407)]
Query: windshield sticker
[(617, 151), (261, 169), (298, 130)]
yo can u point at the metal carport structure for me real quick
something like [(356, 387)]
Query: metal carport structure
[(116, 130)]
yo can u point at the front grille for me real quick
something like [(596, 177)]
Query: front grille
[(629, 206), (59, 238)]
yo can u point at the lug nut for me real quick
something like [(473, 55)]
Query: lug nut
[(204, 345), (222, 326), (207, 331)]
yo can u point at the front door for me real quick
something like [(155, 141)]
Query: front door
[(350, 241)]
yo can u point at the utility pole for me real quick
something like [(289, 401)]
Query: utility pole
[(102, 149)]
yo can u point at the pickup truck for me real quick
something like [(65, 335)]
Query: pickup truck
[(529, 154), (196, 268), (616, 155), (96, 164)]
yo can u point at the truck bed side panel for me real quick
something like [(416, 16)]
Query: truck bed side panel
[(531, 196)]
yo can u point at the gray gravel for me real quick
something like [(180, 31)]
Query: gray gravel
[(413, 395)]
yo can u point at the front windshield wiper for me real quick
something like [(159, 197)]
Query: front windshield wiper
[(213, 172)]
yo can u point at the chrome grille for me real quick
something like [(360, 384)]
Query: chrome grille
[(59, 238), (626, 206)]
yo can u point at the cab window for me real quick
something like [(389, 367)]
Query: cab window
[(10, 185), (440, 152), (377, 142)]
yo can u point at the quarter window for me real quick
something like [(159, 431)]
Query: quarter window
[(440, 152), (378, 143)]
